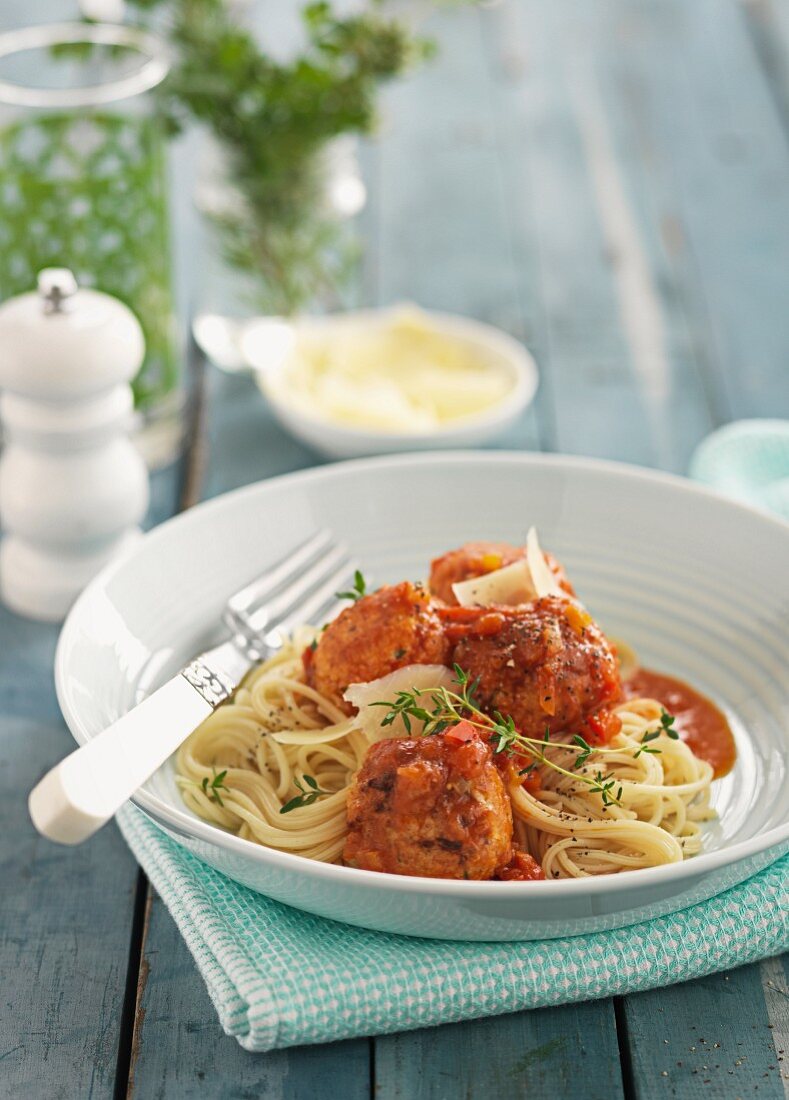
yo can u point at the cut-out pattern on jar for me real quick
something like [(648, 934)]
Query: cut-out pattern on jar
[(83, 182)]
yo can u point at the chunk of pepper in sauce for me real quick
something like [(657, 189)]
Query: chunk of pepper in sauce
[(476, 622)]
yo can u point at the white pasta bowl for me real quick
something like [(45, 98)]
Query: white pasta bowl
[(698, 584)]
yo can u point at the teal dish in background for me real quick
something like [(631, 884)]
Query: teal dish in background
[(748, 460)]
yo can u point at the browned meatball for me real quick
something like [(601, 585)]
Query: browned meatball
[(392, 627), (546, 664), (429, 807), (474, 559)]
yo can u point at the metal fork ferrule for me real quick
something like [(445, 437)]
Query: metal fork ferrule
[(209, 682)]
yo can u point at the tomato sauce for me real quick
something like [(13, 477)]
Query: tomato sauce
[(698, 721), (521, 868)]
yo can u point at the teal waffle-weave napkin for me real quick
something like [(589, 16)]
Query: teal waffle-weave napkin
[(368, 983), (248, 947)]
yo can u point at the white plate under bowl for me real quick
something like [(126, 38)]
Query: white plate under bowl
[(698, 584)]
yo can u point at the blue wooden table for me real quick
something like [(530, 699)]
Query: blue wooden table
[(608, 181)]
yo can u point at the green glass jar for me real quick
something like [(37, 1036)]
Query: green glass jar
[(83, 184)]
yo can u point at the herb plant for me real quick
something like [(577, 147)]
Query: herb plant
[(273, 119)]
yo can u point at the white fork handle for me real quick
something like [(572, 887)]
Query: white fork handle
[(82, 792)]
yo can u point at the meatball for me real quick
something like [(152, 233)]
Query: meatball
[(474, 559), (388, 629), (430, 807), (546, 664)]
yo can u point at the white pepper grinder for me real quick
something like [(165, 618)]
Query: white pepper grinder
[(73, 488)]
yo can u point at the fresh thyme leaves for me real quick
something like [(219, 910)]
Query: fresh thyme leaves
[(211, 789), (406, 706), (468, 688), (584, 754), (666, 726), (438, 708), (359, 588), (504, 729), (308, 794), (604, 786), (652, 735)]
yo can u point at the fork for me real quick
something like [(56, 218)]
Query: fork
[(83, 791)]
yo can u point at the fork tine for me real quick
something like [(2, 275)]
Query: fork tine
[(294, 595), (328, 611), (309, 610), (252, 595)]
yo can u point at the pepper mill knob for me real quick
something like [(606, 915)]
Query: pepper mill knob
[(56, 285), (73, 488)]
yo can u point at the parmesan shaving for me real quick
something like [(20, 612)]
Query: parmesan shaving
[(510, 585), (521, 582), (543, 579), (420, 678)]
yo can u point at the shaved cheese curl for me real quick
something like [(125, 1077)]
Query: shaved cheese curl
[(420, 678)]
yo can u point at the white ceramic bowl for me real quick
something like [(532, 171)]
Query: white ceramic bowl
[(697, 583), (335, 440)]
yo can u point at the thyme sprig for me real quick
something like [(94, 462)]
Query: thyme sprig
[(447, 707), (307, 795), (359, 588), (211, 789), (666, 727)]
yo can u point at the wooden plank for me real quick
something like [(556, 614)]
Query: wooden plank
[(180, 1051), (443, 226), (710, 1038), (775, 985), (703, 98), (546, 1052), (768, 25), (65, 913), (625, 370)]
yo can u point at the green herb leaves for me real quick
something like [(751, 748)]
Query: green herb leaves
[(441, 707), (273, 119), (308, 794), (666, 726), (604, 786), (584, 754), (359, 588), (438, 708), (211, 789)]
